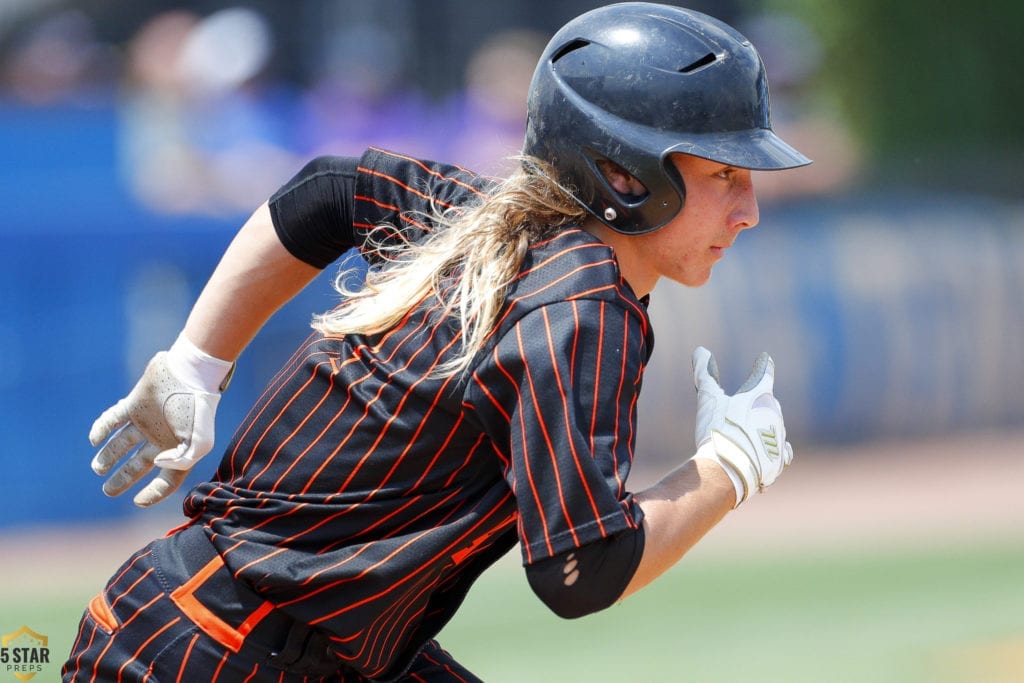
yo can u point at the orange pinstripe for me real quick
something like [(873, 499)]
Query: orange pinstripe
[(352, 431), (431, 171), (106, 648), (78, 659), (355, 470), (597, 377), (551, 450), (308, 383), (255, 669), (355, 556), (252, 417), (220, 667), (125, 593), (618, 389), (560, 255), (128, 567), (573, 352), (448, 669), (407, 188), (145, 644), (560, 383), (433, 461), (445, 552), (291, 401), (526, 460), (328, 390), (184, 660)]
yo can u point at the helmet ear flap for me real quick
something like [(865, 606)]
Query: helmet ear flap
[(622, 200), (675, 178)]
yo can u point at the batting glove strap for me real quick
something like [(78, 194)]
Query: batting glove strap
[(707, 452), (198, 369)]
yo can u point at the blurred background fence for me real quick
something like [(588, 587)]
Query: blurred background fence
[(886, 279)]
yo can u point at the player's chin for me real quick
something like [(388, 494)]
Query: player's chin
[(694, 278), (691, 281)]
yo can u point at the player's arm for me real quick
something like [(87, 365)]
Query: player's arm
[(306, 225), (255, 277), (167, 420), (678, 511), (741, 448)]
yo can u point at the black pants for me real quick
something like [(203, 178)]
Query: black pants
[(172, 612)]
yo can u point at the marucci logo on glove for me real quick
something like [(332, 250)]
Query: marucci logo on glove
[(24, 653), (771, 441)]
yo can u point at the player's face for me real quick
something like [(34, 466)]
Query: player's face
[(720, 203)]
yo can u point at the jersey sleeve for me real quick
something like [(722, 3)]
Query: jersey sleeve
[(397, 196), (312, 212), (558, 397), (334, 203)]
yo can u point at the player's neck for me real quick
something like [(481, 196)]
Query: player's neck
[(634, 268)]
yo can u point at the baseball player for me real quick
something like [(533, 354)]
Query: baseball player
[(478, 392)]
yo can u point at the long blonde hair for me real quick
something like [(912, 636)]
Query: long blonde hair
[(481, 246)]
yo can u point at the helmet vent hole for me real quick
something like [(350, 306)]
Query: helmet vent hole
[(703, 61), (569, 47)]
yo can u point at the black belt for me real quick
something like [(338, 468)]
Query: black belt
[(235, 615)]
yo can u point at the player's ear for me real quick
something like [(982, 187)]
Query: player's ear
[(620, 180)]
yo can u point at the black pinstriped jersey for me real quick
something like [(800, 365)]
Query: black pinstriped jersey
[(364, 495)]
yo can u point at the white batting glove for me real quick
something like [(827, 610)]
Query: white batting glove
[(167, 420), (745, 432)]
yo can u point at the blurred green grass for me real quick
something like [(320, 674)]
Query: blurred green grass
[(899, 616), (894, 615)]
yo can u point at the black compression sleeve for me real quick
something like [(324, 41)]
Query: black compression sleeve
[(589, 578), (312, 212)]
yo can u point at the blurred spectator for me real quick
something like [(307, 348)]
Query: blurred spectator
[(358, 96), (56, 58), (205, 129), (488, 117), (200, 133)]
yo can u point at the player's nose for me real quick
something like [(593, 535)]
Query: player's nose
[(746, 214)]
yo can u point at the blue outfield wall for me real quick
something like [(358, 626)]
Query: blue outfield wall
[(886, 316), (79, 324)]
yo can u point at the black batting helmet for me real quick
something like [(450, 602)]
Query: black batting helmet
[(634, 82)]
